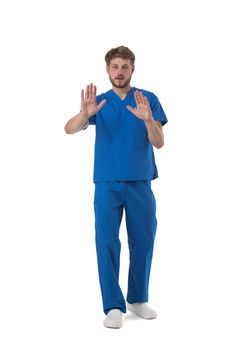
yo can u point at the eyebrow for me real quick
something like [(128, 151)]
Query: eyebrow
[(124, 65)]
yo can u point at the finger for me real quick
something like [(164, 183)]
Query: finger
[(145, 100), (100, 105), (136, 95), (82, 95), (141, 98), (94, 91), (87, 92), (131, 109), (147, 104), (91, 91)]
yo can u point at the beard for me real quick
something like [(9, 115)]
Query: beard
[(120, 84)]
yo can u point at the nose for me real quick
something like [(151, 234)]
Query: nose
[(119, 71)]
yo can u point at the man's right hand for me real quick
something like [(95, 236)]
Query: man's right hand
[(88, 102)]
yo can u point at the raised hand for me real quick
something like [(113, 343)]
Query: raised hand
[(143, 110), (88, 102)]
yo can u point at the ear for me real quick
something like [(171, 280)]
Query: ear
[(133, 68), (107, 68)]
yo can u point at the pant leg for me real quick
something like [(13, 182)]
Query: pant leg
[(108, 207), (141, 226)]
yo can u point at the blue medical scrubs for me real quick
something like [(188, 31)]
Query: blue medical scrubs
[(123, 169)]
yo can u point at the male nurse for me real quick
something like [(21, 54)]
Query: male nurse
[(128, 123)]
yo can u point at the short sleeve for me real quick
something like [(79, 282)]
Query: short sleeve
[(92, 119), (157, 110)]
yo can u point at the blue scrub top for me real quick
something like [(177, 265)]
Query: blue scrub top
[(122, 148)]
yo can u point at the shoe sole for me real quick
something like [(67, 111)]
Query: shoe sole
[(139, 315), (114, 325)]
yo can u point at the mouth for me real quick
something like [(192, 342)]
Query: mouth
[(119, 78)]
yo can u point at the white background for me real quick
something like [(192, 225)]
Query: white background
[(49, 293)]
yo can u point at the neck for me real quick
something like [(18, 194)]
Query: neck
[(122, 92)]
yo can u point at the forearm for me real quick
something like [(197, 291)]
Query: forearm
[(155, 133), (75, 124)]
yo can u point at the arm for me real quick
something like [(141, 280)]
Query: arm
[(88, 109), (155, 132), (143, 111), (76, 124)]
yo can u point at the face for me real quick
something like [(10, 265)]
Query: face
[(120, 72)]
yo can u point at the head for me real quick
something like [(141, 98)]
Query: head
[(120, 66)]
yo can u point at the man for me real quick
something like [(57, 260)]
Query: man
[(128, 122)]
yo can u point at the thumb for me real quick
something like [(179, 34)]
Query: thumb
[(100, 105), (131, 109)]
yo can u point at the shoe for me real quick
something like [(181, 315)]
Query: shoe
[(113, 319), (142, 310)]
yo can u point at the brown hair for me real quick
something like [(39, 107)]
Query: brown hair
[(120, 51)]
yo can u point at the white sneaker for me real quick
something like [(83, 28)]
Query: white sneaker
[(113, 319), (142, 310)]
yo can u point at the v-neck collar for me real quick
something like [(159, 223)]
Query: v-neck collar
[(129, 93)]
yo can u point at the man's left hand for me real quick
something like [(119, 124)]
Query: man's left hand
[(143, 110)]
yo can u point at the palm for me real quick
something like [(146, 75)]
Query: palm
[(142, 112), (89, 107)]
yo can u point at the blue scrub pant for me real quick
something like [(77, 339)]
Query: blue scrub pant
[(110, 199)]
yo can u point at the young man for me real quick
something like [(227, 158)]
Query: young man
[(128, 122)]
